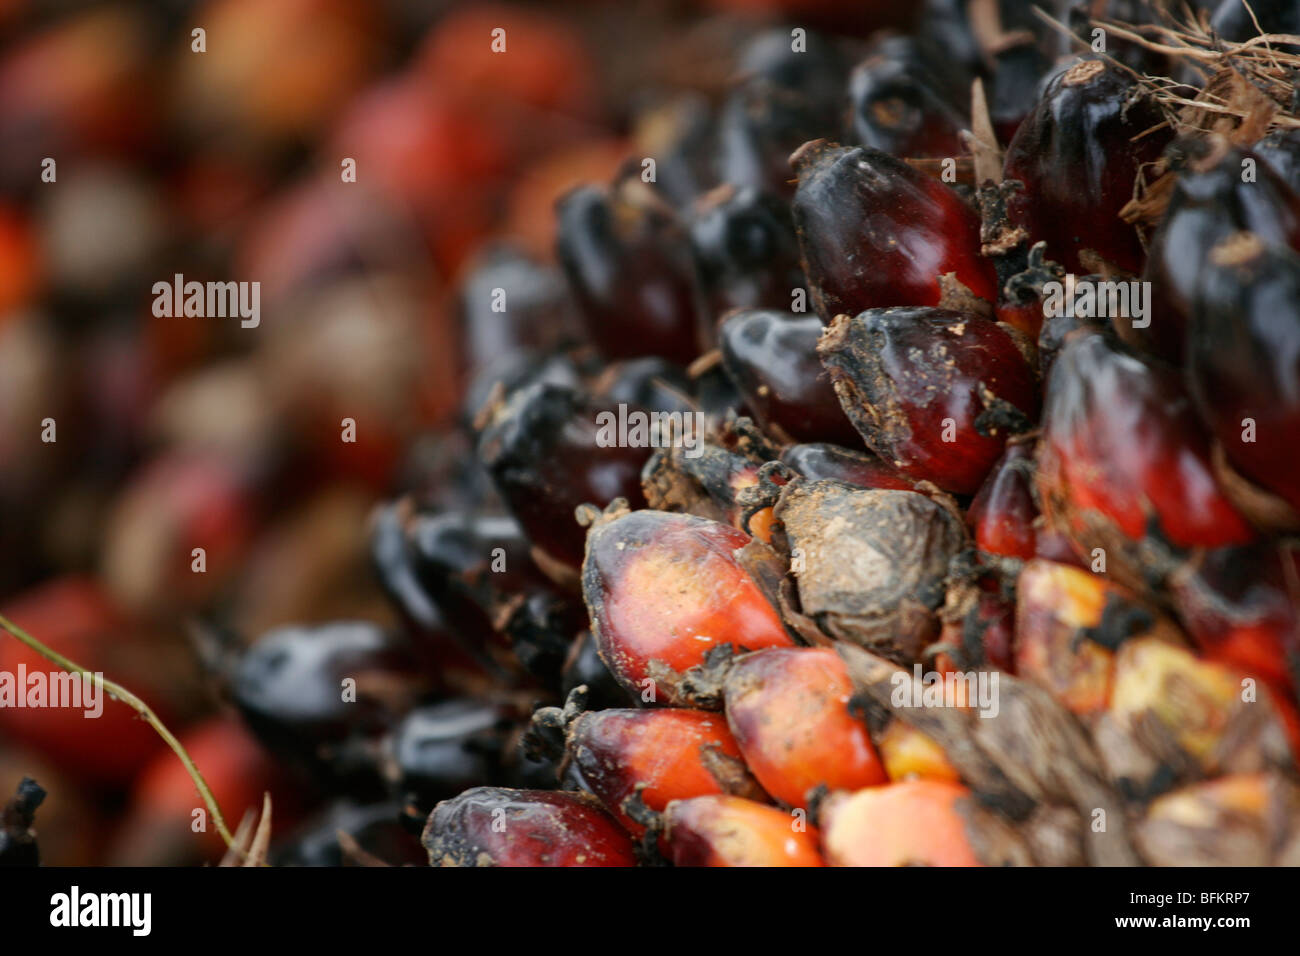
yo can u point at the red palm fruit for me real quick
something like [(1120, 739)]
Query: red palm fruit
[(663, 589), (911, 823), (629, 265), (873, 232), (733, 831), (788, 709), (1002, 515), (1211, 200), (543, 449), (75, 617), (1078, 154), (818, 461), (542, 67), (656, 756), (1123, 459), (1243, 360), (772, 358), (159, 829), (1068, 625), (934, 391), (20, 262), (274, 73), (493, 826), (1239, 607)]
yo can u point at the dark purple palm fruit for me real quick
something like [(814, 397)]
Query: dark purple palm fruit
[(875, 233), (903, 101), (630, 270), (772, 358), (547, 451), (1243, 360), (1078, 155), (746, 251), (1211, 201)]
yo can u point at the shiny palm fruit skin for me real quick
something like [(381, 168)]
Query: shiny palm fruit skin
[(910, 823), (873, 232), (821, 460), (745, 250), (1209, 203), (1002, 515), (902, 374), (656, 756), (898, 104), (542, 451), (1069, 623), (663, 589), (493, 826), (651, 383), (788, 710), (772, 358), (17, 835), (288, 688), (1073, 154), (1243, 360), (1013, 88), (1239, 608), (630, 270), (1123, 455), (532, 311), (908, 753), (733, 831), (438, 750)]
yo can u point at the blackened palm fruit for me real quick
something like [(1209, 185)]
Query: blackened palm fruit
[(1124, 458), (873, 232), (493, 826), (1078, 155), (649, 383), (510, 303), (1137, 14), (289, 687), (820, 460), (901, 102), (441, 749), (1243, 360), (630, 270), (584, 668), (1019, 66), (1281, 150), (547, 453), (782, 98), (1238, 22), (17, 836), (466, 563), (934, 392), (663, 590), (1209, 203), (772, 358), (871, 566), (745, 249), (376, 828)]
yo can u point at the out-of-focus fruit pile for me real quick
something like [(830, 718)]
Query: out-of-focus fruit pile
[(670, 447)]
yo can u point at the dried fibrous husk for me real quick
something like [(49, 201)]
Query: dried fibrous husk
[(871, 566)]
